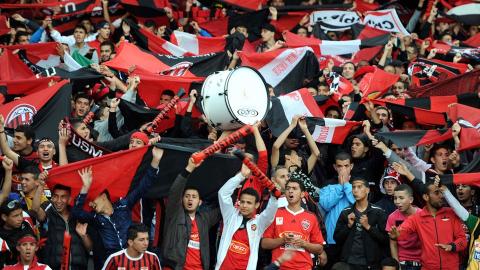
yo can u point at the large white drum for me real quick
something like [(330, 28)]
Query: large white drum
[(233, 98)]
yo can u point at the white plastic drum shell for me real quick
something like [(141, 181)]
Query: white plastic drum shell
[(246, 100)]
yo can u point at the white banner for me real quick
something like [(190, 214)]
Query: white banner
[(334, 20), (386, 20)]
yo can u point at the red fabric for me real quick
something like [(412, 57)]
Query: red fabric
[(363, 6), (216, 27), (252, 181), (247, 4), (376, 83), (444, 228), (288, 21), (3, 26), (33, 266), (238, 252), (473, 41), (409, 248), (469, 135), (193, 260), (303, 225), (115, 171)]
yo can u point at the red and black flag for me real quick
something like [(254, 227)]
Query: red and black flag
[(66, 8), (145, 8), (43, 110), (438, 104), (401, 112), (151, 42), (425, 71), (469, 179), (370, 34), (469, 120), (151, 87), (122, 171), (285, 107), (405, 138), (285, 69), (176, 66), (135, 116), (245, 4), (473, 41), (329, 130), (253, 21), (468, 82), (328, 47)]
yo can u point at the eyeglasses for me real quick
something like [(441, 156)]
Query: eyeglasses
[(12, 204)]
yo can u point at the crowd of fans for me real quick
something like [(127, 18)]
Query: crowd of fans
[(364, 204)]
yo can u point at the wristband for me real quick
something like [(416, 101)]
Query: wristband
[(454, 247)]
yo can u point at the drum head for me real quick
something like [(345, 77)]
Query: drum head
[(247, 95)]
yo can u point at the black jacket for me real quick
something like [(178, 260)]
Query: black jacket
[(53, 250), (178, 227), (375, 240)]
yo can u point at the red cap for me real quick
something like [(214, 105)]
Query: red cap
[(141, 136)]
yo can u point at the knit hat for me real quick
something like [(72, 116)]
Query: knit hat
[(389, 173), (141, 136), (269, 27)]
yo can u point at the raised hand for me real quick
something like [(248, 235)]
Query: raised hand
[(86, 175)]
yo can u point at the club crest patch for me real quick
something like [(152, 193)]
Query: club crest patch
[(305, 224)]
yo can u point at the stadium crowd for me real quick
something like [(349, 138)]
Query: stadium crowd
[(392, 184)]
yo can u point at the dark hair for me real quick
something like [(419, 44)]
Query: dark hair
[(19, 34), (383, 108), (390, 262), (105, 191), (80, 26), (61, 187), (76, 121), (191, 188), (353, 64), (82, 95), (406, 188), (168, 92), (298, 181), (343, 156), (363, 180), (437, 147), (150, 23), (251, 192), (279, 167), (33, 170), (108, 43), (27, 130), (334, 108), (427, 185), (134, 229)]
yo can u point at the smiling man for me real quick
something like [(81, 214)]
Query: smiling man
[(242, 230), (58, 218)]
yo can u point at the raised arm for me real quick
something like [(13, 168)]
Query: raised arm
[(147, 180), (7, 181), (77, 211), (63, 136), (280, 140), (37, 198), (225, 193), (4, 144), (315, 152), (176, 190)]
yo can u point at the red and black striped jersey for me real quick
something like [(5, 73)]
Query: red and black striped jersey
[(121, 261)]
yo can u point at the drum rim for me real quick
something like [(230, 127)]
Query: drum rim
[(226, 96)]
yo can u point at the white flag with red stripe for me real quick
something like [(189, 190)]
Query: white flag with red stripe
[(329, 130), (197, 44), (285, 107)]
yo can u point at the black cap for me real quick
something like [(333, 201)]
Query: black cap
[(269, 27), (10, 206)]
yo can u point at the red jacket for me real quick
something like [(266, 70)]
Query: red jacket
[(33, 266), (444, 228)]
